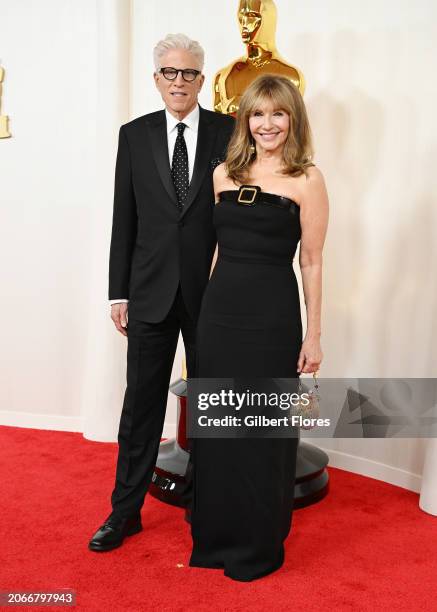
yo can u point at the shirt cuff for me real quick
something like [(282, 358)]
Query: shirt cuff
[(120, 301)]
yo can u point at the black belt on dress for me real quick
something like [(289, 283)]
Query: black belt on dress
[(230, 255), (249, 195)]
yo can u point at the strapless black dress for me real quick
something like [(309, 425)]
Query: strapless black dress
[(249, 326)]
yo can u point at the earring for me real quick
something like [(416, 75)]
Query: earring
[(252, 149)]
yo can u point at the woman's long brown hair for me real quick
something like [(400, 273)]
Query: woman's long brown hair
[(298, 149)]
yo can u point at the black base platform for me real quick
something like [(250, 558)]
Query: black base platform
[(312, 479)]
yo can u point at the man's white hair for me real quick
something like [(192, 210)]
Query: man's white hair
[(178, 41)]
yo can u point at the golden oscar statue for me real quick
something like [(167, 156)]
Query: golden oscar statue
[(257, 20)]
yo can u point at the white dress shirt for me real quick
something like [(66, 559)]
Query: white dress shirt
[(190, 134)]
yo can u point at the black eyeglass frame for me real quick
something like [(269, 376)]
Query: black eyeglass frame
[(182, 71)]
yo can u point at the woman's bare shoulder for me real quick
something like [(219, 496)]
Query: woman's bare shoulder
[(222, 181), (220, 172), (313, 187), (314, 175)]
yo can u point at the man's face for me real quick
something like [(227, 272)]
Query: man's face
[(179, 96)]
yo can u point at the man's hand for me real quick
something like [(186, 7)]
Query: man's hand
[(118, 315)]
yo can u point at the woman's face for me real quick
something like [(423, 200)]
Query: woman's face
[(269, 127)]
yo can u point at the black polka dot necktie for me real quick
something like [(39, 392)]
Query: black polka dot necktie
[(179, 166)]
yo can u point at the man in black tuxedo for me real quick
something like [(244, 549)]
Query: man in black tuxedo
[(161, 251)]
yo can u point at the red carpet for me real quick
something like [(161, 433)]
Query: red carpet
[(366, 546)]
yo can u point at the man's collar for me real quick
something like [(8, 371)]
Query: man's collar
[(191, 120)]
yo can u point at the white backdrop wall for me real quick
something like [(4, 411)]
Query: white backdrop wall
[(47, 191), (77, 70)]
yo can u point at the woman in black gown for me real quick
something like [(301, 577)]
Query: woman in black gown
[(250, 324)]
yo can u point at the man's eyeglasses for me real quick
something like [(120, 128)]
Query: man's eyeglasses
[(188, 74)]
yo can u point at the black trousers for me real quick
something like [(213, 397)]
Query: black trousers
[(150, 355)]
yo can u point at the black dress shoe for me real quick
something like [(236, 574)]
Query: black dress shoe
[(113, 531)]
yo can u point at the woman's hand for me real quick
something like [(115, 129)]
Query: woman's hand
[(310, 356)]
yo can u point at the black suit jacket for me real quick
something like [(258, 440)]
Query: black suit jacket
[(154, 246)]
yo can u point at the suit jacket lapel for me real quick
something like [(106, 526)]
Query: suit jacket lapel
[(205, 141), (158, 138)]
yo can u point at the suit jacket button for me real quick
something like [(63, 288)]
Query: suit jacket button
[(181, 223)]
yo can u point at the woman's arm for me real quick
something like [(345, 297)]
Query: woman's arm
[(218, 178), (214, 260), (314, 213)]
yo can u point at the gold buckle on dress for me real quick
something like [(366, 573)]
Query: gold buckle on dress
[(253, 192)]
